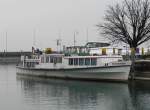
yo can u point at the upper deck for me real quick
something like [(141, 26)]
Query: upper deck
[(61, 61)]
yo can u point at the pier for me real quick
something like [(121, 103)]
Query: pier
[(142, 70), (11, 57)]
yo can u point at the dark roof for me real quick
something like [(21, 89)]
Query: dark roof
[(97, 44), (76, 47)]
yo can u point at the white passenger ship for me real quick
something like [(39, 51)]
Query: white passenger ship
[(87, 67)]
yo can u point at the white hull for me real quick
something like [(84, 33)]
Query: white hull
[(118, 73)]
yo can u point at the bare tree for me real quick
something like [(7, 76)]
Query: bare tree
[(129, 22)]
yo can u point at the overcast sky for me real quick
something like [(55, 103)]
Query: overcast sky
[(50, 19)]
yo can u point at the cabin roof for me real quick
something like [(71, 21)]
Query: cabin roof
[(96, 44), (100, 56), (53, 54)]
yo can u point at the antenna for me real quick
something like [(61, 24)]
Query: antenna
[(74, 39), (60, 40), (87, 36)]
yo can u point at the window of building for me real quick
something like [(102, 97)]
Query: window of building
[(87, 61), (70, 61), (119, 51)]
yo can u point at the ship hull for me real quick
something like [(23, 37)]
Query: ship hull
[(114, 73)]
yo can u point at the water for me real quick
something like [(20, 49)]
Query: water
[(28, 93)]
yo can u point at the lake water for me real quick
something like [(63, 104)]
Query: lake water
[(28, 93)]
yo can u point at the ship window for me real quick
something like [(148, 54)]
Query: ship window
[(47, 59), (32, 64), (29, 64), (70, 61), (81, 61), (51, 59), (93, 61), (75, 61), (59, 59), (87, 61), (42, 59)]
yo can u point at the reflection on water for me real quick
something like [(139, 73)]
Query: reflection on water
[(140, 95), (28, 93), (75, 95)]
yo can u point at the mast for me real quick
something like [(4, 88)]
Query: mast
[(6, 41), (74, 39), (34, 37), (59, 42)]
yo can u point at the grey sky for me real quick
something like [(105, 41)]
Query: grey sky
[(19, 18)]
